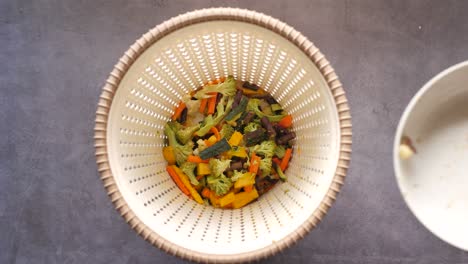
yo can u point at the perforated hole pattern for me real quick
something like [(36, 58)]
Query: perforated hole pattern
[(175, 58)]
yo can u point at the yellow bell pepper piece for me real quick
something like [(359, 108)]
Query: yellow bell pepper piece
[(211, 140), (237, 152), (243, 198), (169, 156), (203, 169), (226, 199), (214, 199), (185, 180), (246, 180), (235, 139), (252, 92)]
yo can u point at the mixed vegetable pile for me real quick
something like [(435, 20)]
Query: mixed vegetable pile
[(228, 143)]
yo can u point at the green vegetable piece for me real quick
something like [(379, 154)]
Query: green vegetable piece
[(220, 185), (279, 151), (238, 109), (266, 148), (253, 105), (255, 137), (276, 107), (188, 168), (211, 121), (233, 122), (265, 107), (202, 182), (218, 148), (217, 166), (237, 175), (207, 124), (252, 126), (226, 88), (226, 131), (280, 173), (183, 134), (181, 151), (265, 166)]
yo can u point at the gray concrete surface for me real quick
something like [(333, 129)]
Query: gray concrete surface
[(55, 55)]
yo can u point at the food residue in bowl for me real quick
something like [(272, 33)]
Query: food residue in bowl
[(229, 142), (406, 149)]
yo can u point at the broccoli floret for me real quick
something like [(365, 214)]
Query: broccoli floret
[(220, 185), (265, 166), (265, 107), (226, 88), (201, 144), (223, 108), (192, 105), (211, 121), (188, 168), (266, 148), (202, 182), (253, 105), (183, 134), (207, 124), (196, 152), (226, 131), (279, 151), (252, 126), (236, 175), (280, 173), (218, 166), (181, 151)]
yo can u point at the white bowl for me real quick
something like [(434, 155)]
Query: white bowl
[(434, 181)]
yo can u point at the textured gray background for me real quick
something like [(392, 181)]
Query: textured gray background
[(55, 56)]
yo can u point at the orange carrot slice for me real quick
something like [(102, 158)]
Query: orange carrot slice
[(216, 133), (285, 160), (254, 163), (177, 180), (178, 110), (248, 188), (196, 159), (276, 160), (212, 104), (286, 121), (206, 192), (203, 103)]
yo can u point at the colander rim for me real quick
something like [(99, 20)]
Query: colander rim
[(199, 16)]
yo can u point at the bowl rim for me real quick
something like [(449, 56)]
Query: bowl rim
[(399, 133), (216, 14)]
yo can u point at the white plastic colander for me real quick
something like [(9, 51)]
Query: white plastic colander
[(180, 55)]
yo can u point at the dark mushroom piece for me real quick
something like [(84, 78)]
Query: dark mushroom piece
[(250, 86), (218, 98), (268, 126), (237, 165), (248, 117), (254, 137), (280, 131), (183, 116), (237, 98), (271, 100), (286, 138)]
